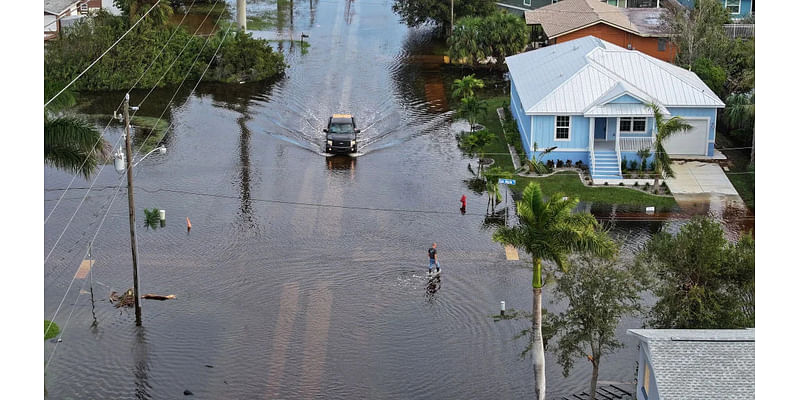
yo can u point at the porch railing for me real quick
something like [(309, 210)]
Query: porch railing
[(635, 143), (740, 30)]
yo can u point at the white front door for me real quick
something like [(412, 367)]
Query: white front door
[(690, 142)]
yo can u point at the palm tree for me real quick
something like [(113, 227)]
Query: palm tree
[(470, 109), (492, 176), (134, 9), (475, 143), (549, 231), (662, 164), (741, 112), (465, 87), (70, 143)]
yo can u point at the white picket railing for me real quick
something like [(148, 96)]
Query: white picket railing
[(635, 143)]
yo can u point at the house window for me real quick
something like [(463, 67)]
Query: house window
[(646, 380), (633, 125), (612, 2), (662, 44), (84, 7), (562, 127), (733, 6), (526, 2)]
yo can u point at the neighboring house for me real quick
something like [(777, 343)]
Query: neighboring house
[(589, 98), (55, 11), (633, 28), (696, 364), (520, 6), (738, 8)]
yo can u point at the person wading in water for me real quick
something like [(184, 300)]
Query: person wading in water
[(434, 260)]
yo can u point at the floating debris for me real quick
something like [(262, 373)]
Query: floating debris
[(127, 299)]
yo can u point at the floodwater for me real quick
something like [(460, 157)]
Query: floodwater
[(303, 275)]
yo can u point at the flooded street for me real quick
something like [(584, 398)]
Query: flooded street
[(304, 275)]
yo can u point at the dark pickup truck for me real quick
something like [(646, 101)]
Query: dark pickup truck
[(341, 135)]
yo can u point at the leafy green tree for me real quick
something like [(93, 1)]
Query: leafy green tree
[(135, 9), (241, 57), (702, 281), (550, 231), (471, 108), (600, 293), (741, 112), (465, 87), (699, 32), (420, 12), (713, 75), (475, 143), (662, 163), (70, 143), (493, 175), (497, 35)]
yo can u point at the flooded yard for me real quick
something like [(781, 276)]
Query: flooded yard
[(304, 275)]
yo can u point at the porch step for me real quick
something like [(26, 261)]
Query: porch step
[(606, 166)]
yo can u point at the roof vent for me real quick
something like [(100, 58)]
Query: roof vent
[(630, 47)]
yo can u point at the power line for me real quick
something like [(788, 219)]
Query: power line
[(108, 208), (152, 62), (365, 208), (104, 53)]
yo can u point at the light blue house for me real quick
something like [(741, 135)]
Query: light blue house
[(738, 8), (696, 364), (589, 99)]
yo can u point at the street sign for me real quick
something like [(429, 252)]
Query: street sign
[(508, 181)]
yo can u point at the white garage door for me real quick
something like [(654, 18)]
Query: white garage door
[(691, 142)]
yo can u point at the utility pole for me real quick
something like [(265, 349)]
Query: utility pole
[(451, 17), (131, 209), (241, 14)]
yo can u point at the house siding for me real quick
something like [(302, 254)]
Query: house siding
[(710, 113), (647, 45), (576, 148), (515, 5), (745, 8), (523, 121)]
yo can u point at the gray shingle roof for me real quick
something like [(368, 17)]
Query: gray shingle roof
[(705, 364)]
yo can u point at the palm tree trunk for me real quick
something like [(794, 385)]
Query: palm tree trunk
[(595, 371), (537, 349), (753, 148)]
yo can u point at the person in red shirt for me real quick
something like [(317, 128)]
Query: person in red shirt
[(463, 204)]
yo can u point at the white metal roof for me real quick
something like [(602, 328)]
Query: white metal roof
[(619, 109), (571, 77)]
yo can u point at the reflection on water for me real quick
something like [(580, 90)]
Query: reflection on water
[(304, 274)]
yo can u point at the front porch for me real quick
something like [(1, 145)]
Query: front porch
[(610, 136)]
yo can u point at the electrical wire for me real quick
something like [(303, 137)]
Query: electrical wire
[(97, 175), (108, 208), (100, 137), (102, 55)]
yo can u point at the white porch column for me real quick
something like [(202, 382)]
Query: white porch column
[(591, 134)]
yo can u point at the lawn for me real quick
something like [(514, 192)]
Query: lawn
[(741, 175), (568, 183)]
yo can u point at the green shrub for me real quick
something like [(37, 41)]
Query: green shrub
[(240, 57), (52, 332)]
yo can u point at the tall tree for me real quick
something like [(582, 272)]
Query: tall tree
[(471, 108), (600, 293), (493, 175), (702, 281), (135, 9), (497, 35), (419, 12), (550, 231), (70, 143), (662, 163), (475, 143), (698, 32), (465, 87), (741, 112)]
